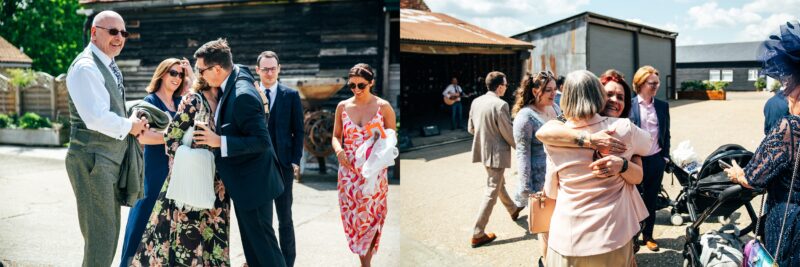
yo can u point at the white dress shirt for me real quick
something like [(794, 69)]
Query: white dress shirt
[(223, 147), (452, 89), (273, 92), (86, 87)]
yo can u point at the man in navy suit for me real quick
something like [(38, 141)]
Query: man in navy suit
[(245, 160), (286, 129), (652, 115)]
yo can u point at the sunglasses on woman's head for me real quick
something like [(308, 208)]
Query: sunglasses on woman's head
[(361, 86), (174, 73), (114, 32)]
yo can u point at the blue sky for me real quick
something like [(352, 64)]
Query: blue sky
[(697, 22)]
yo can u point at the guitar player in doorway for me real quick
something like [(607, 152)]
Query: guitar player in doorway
[(452, 97)]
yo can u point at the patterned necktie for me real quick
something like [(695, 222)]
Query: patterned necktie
[(118, 74)]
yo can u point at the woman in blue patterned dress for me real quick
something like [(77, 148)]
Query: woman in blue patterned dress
[(774, 162), (533, 107)]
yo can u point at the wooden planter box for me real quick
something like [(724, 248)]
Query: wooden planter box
[(42, 137), (702, 95)]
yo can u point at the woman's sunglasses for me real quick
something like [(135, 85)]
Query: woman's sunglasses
[(174, 73), (361, 86), (114, 32)]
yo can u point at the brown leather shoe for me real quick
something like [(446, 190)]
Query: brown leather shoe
[(515, 214), (651, 244), (483, 240)]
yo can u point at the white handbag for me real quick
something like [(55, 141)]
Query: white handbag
[(192, 182)]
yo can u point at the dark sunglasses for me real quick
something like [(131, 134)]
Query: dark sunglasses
[(361, 86), (174, 73), (114, 32)]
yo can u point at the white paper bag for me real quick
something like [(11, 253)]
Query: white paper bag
[(192, 182)]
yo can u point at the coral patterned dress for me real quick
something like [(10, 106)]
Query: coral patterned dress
[(362, 215)]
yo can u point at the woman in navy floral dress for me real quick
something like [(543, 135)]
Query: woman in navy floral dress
[(179, 236), (773, 165)]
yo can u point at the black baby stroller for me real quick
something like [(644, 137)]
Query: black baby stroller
[(709, 192), (733, 195), (702, 189)]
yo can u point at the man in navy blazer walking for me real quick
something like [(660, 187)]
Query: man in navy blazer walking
[(286, 129)]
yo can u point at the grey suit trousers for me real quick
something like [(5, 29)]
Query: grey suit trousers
[(94, 181), (495, 186)]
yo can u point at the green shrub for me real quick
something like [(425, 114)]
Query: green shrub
[(21, 78), (695, 86), (760, 84), (33, 121), (6, 121), (718, 85)]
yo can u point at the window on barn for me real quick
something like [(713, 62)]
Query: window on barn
[(752, 74), (713, 75), (727, 75)]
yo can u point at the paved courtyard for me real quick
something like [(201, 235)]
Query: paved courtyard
[(39, 223), (442, 190)]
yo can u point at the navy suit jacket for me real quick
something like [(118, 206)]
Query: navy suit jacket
[(286, 126), (250, 171), (775, 109), (662, 112)]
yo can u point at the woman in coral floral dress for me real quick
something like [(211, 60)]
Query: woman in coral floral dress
[(362, 214), (177, 235)]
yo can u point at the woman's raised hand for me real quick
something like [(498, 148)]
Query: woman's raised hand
[(603, 142)]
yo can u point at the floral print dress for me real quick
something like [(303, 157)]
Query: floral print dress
[(362, 215), (179, 236)]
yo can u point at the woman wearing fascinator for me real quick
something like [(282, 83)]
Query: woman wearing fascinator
[(774, 165)]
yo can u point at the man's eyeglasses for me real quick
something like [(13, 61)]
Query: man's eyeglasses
[(361, 86), (174, 73), (199, 70), (114, 32), (266, 70)]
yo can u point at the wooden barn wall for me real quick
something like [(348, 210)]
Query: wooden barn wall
[(311, 39)]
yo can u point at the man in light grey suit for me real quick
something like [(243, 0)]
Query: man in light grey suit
[(490, 123)]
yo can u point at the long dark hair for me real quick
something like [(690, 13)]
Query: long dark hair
[(530, 89)]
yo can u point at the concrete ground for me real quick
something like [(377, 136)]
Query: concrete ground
[(39, 224), (442, 190)]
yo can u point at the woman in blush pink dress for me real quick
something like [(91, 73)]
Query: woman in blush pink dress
[(363, 214), (597, 209)]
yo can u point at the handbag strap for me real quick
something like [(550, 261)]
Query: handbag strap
[(788, 200)]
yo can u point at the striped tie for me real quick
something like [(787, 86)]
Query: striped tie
[(118, 74)]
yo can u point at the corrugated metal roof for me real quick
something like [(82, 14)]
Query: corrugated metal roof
[(430, 27), (11, 54), (725, 52)]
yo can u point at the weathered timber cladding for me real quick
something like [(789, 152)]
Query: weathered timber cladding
[(321, 39)]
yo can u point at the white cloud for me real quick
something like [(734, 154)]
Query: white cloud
[(761, 30), (505, 17), (505, 26), (773, 6), (688, 40), (710, 15)]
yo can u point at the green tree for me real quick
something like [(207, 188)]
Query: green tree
[(48, 31)]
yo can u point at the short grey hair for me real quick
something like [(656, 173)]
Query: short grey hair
[(582, 95)]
